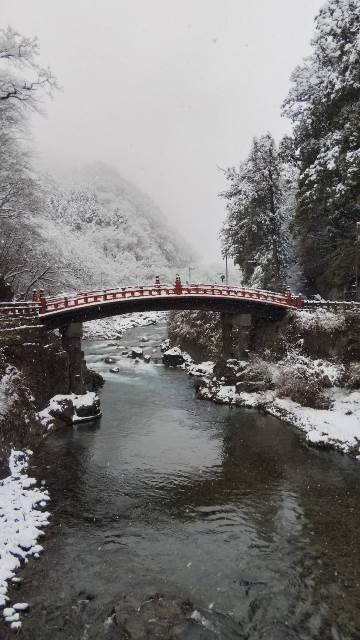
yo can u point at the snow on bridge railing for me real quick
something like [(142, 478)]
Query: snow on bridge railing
[(337, 306), (19, 309)]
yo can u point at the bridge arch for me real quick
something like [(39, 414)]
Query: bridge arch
[(87, 306)]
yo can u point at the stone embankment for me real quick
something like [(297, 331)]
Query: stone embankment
[(304, 369), (34, 367)]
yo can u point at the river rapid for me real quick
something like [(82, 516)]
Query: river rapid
[(223, 507)]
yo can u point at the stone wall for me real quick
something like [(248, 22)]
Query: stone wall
[(317, 334), (34, 366)]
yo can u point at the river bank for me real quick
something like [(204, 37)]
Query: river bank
[(239, 528), (337, 426), (33, 367), (304, 370)]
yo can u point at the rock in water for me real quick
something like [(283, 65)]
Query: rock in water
[(173, 357), (109, 360), (136, 352), (114, 369)]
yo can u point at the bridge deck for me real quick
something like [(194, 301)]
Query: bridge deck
[(91, 304)]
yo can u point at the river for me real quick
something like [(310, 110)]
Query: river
[(221, 506)]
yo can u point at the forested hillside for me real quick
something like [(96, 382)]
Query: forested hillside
[(293, 208), (90, 228), (98, 229)]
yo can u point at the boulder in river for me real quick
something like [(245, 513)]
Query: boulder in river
[(144, 339), (114, 369), (173, 357), (147, 358), (109, 360), (136, 352)]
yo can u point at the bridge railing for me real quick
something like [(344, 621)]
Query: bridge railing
[(19, 309), (47, 305), (336, 306), (53, 304)]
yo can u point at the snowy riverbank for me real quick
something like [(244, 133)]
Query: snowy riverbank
[(114, 327), (337, 425), (22, 518)]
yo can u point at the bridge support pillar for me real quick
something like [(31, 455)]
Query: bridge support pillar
[(236, 335), (71, 342)]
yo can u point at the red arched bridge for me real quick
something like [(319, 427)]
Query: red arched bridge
[(60, 311)]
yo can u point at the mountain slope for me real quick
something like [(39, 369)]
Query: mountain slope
[(99, 230)]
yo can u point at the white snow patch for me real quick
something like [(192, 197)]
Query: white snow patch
[(21, 523), (175, 351), (115, 327)]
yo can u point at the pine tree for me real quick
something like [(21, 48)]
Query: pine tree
[(324, 105), (254, 232)]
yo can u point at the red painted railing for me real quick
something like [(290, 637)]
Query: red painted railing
[(52, 305)]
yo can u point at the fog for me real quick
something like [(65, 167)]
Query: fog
[(167, 91)]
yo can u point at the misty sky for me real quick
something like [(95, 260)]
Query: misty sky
[(167, 91)]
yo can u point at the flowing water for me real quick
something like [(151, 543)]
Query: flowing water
[(168, 494)]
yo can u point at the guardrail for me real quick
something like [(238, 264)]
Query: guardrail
[(337, 306), (19, 309)]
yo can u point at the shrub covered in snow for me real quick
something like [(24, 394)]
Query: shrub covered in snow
[(304, 380), (319, 320)]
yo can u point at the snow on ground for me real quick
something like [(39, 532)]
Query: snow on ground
[(21, 521), (115, 327), (337, 427)]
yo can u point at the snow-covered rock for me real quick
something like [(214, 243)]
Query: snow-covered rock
[(136, 352), (173, 357), (70, 408)]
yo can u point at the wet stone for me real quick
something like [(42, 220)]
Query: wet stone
[(157, 617)]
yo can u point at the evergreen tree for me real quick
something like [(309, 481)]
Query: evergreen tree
[(324, 105), (254, 232)]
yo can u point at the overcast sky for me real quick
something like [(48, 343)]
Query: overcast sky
[(167, 91)]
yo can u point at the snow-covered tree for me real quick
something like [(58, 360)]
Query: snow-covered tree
[(22, 79), (255, 230), (21, 82), (324, 105)]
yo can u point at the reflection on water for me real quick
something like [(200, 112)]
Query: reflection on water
[(223, 506)]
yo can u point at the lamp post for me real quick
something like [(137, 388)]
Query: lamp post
[(357, 241), (190, 270)]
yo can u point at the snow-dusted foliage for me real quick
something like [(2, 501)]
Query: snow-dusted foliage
[(319, 320), (22, 81), (324, 105), (255, 232), (100, 230)]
